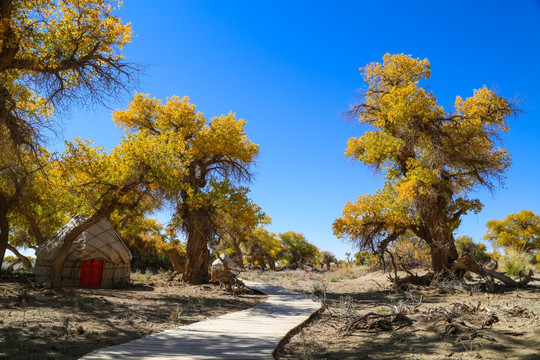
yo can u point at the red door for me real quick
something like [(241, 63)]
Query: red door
[(91, 271)]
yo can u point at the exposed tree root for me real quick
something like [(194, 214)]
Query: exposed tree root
[(414, 279), (374, 322)]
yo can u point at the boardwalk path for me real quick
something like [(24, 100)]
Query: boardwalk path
[(248, 334)]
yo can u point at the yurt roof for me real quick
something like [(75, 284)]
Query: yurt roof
[(100, 241)]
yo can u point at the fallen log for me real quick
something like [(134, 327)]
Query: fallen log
[(468, 263)]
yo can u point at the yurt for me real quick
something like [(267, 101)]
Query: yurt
[(98, 257)]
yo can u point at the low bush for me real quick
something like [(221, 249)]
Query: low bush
[(517, 263)]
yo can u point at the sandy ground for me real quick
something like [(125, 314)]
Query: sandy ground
[(38, 323), (365, 318)]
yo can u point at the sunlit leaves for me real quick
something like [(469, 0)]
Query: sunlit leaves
[(373, 216), (395, 70), (518, 231), (269, 242), (178, 138), (55, 51), (430, 158), (297, 250), (194, 162)]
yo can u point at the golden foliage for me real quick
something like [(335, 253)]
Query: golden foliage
[(430, 158), (518, 231), (52, 51)]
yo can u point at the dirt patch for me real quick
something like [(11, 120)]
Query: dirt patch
[(365, 318), (38, 323)]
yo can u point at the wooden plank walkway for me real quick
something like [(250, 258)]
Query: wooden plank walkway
[(250, 334)]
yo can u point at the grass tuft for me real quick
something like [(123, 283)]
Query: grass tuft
[(517, 263)]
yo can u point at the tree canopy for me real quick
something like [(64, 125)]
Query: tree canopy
[(326, 258), (430, 158), (518, 231), (56, 52), (195, 161), (237, 218), (297, 250), (52, 53)]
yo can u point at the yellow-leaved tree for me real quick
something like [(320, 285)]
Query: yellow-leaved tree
[(52, 54), (147, 239), (40, 209), (297, 251), (237, 219), (56, 52), (264, 248), (197, 155), (430, 158), (20, 179), (101, 183), (518, 231)]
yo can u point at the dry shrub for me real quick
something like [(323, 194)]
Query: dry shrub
[(347, 272), (410, 253)]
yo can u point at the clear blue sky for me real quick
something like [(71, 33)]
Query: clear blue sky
[(291, 67)]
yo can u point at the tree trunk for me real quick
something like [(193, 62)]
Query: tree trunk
[(4, 236), (198, 260), (35, 230), (435, 231), (261, 262), (26, 263), (271, 262), (179, 265), (468, 263), (443, 253), (239, 257)]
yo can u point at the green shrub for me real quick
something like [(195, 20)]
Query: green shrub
[(466, 246), (365, 258), (517, 263)]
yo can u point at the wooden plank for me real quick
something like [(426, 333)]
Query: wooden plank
[(248, 334)]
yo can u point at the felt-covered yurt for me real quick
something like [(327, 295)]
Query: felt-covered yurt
[(98, 257)]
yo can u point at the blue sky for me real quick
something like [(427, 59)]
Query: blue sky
[(291, 68)]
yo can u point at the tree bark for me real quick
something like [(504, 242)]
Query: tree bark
[(4, 235), (35, 230), (271, 262), (435, 231), (260, 260), (26, 263), (179, 265), (239, 257), (199, 227), (198, 260), (443, 253)]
